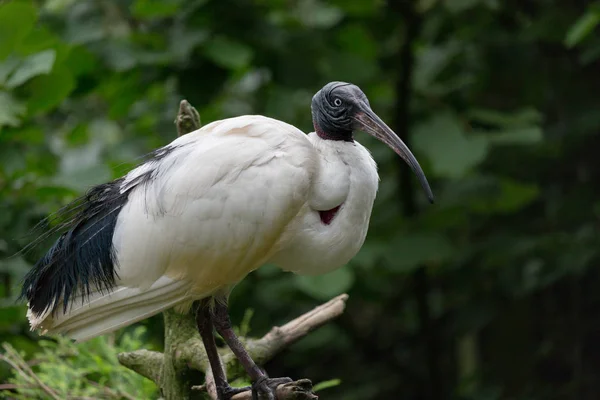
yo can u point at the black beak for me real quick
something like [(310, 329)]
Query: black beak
[(369, 122)]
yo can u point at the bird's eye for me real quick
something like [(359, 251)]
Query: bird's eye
[(337, 102)]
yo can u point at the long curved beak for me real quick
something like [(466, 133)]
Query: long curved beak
[(369, 122)]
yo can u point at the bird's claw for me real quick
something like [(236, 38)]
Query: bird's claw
[(227, 392), (264, 388)]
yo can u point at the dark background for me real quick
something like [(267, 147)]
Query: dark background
[(491, 293)]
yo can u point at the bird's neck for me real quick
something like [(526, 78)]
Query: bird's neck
[(332, 133)]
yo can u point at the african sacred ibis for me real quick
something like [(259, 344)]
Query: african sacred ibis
[(207, 209)]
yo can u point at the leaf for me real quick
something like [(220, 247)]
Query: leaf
[(517, 136), (81, 61), (324, 287), (358, 8), (451, 153), (47, 91), (517, 119), (507, 196), (423, 6), (348, 67), (409, 250), (7, 67), (457, 6), (582, 27), (358, 40), (16, 266), (17, 18), (371, 252), (326, 384), (315, 14), (156, 8), (40, 38), (34, 65), (10, 110), (58, 6), (228, 53), (430, 62), (83, 178), (183, 41)]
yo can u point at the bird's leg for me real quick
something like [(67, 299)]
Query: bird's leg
[(205, 327), (262, 386)]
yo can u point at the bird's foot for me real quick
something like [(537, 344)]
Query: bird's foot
[(267, 389), (227, 392)]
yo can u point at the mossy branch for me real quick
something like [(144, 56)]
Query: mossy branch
[(184, 350)]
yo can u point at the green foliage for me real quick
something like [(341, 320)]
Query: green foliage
[(583, 26), (488, 294), (326, 385), (86, 370), (324, 287)]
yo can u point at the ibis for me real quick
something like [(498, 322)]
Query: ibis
[(199, 214)]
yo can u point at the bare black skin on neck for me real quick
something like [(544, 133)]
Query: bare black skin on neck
[(333, 108)]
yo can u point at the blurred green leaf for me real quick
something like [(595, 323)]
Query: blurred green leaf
[(324, 287), (317, 14), (7, 67), (71, 369), (327, 384), (16, 20), (582, 27), (425, 5), (519, 119), (409, 251), (228, 53), (430, 62), (357, 40), (156, 8), (456, 6), (34, 65), (16, 267), (509, 196), (11, 315), (48, 91), (10, 110), (358, 8), (451, 152), (81, 61), (517, 136)]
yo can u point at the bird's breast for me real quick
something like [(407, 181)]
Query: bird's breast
[(332, 226)]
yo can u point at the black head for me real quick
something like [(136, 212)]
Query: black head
[(333, 109), (340, 108)]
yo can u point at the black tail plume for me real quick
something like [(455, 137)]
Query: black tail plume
[(83, 257)]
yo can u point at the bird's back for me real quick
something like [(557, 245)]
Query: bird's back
[(217, 204), (194, 219)]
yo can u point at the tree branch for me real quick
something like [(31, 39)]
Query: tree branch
[(144, 362), (264, 349), (188, 118), (191, 353)]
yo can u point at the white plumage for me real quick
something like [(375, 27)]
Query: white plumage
[(209, 208), (224, 200)]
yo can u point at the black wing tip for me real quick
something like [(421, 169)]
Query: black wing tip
[(82, 257)]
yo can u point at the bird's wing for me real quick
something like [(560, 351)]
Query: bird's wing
[(195, 218), (214, 205)]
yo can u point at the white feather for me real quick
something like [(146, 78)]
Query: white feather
[(103, 313), (213, 210), (347, 176), (219, 203)]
